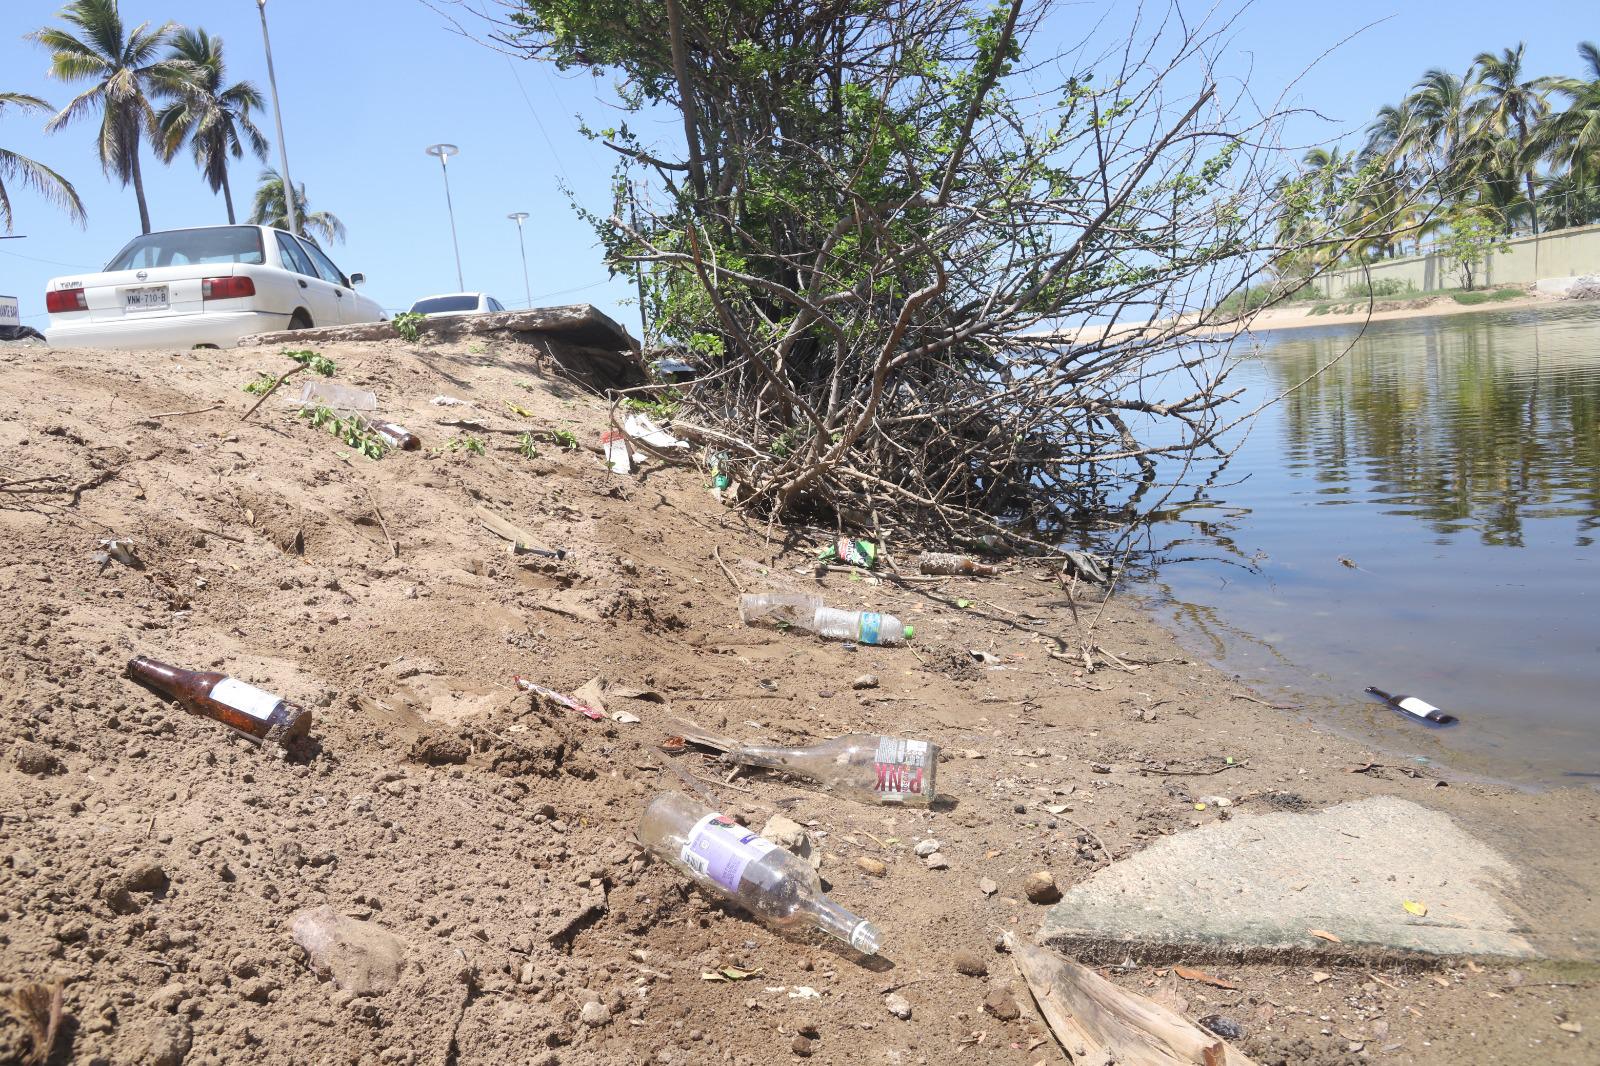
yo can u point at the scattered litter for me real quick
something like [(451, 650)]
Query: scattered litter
[(850, 552), (625, 718), (1089, 567), (394, 435), (1419, 909), (619, 459), (1417, 710), (804, 992), (566, 701), (643, 429), (714, 851), (332, 395), (985, 658), (449, 401), (121, 549), (863, 766), (808, 614), (948, 563), (1189, 974), (730, 973)]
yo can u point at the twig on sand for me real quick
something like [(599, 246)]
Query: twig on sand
[(180, 414), (1264, 703), (1100, 843), (394, 549), (716, 552), (1193, 773)]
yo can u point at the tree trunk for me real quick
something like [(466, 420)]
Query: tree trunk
[(227, 197), (1522, 149), (138, 188)]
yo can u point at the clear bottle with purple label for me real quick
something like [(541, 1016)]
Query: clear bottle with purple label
[(735, 862)]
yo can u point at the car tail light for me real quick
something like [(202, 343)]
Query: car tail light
[(226, 288), (63, 300)]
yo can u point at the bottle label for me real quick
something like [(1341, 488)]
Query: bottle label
[(1412, 705), (720, 848), (871, 627), (902, 768), (247, 699)]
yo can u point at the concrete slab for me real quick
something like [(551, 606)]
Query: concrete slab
[(1250, 888)]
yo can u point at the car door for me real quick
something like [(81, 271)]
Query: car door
[(317, 295), (349, 308)]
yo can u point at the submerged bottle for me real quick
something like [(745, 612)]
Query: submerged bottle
[(950, 563), (256, 713), (726, 858), (863, 766), (1412, 707)]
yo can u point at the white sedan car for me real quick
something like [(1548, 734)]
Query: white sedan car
[(207, 286), (456, 303)]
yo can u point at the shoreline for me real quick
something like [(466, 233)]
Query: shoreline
[(494, 837)]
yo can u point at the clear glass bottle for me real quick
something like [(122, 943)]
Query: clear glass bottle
[(950, 563), (862, 766), (724, 857)]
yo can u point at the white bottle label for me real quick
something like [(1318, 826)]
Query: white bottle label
[(720, 848), (1420, 708), (902, 768), (257, 703)]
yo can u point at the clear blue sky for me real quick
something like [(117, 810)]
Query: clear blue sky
[(367, 84)]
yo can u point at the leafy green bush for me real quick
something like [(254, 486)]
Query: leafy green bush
[(408, 325), (1498, 296)]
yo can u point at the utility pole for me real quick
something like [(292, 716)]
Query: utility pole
[(277, 111), (444, 152), (519, 217)]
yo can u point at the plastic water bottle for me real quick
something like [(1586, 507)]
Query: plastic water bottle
[(724, 857), (863, 627), (783, 610)]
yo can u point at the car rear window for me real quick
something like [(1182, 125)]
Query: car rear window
[(445, 303), (182, 247)]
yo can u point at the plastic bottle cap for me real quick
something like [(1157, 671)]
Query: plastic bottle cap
[(911, 631)]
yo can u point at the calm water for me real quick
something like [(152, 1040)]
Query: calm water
[(1456, 463)]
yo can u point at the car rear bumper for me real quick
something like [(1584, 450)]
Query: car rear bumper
[(221, 328)]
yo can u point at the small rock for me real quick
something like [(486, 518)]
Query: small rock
[(925, 848), (1571, 1027), (1001, 1004), (965, 962), (1321, 976), (358, 956), (1040, 887), (872, 866), (802, 1046), (1223, 1026), (595, 1014), (936, 861), (865, 681), (987, 886), (792, 837), (898, 1006)]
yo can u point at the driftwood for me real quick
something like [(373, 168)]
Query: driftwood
[(1099, 1024)]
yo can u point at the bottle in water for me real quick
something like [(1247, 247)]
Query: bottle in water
[(862, 766), (723, 857)]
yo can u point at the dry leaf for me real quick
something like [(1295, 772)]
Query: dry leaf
[(1323, 934), (1419, 909), (1200, 975)]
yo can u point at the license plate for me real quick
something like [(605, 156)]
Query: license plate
[(150, 298)]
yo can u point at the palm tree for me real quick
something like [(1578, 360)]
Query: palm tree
[(1438, 106), (94, 46), (1511, 104), (213, 119), (1571, 138), (271, 209), (30, 174)]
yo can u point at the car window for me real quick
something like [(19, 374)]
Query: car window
[(435, 304), (293, 257), (323, 264), (495, 305), (183, 247)]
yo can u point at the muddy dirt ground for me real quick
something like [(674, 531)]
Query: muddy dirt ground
[(152, 863)]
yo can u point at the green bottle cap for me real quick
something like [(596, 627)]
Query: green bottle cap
[(911, 631)]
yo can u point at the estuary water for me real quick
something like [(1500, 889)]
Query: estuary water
[(1421, 517)]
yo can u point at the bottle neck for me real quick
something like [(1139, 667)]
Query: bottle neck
[(771, 758), (155, 672), (838, 922)]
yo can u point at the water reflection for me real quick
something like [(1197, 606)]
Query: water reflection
[(1420, 515)]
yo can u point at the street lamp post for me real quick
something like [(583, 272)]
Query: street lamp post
[(519, 217), (444, 152), (277, 110)]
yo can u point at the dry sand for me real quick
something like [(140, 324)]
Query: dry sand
[(153, 864)]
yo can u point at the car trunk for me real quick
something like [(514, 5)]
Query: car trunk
[(161, 292)]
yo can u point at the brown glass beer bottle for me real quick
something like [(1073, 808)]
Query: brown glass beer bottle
[(394, 434), (257, 714)]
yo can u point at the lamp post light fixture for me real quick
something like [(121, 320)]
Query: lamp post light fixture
[(519, 217), (290, 207), (444, 152)]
